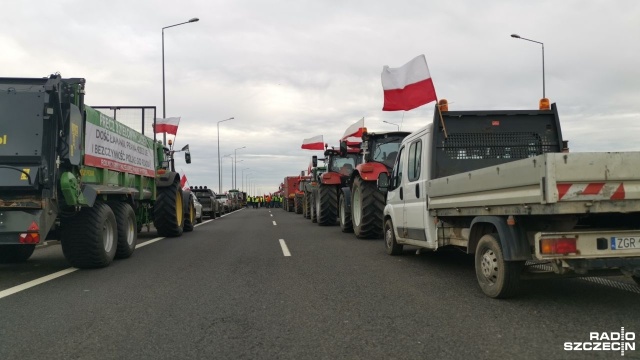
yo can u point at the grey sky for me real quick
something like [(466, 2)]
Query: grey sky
[(288, 70)]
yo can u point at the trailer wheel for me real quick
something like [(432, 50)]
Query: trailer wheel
[(312, 209), (90, 238), (390, 243), (16, 253), (167, 211), (497, 278), (298, 205), (367, 208), (127, 229), (344, 215), (327, 205), (190, 217)]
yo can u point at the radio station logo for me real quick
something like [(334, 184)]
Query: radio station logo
[(622, 341)]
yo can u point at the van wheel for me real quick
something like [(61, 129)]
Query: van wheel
[(344, 215), (127, 229), (15, 253), (390, 243), (367, 208), (497, 278)]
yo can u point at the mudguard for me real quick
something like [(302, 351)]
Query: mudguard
[(331, 178), (370, 171), (515, 246)]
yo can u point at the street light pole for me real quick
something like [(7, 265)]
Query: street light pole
[(242, 177), (388, 122), (235, 175), (235, 167), (164, 107), (219, 168), (516, 36)]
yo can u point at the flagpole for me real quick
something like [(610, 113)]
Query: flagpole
[(444, 128)]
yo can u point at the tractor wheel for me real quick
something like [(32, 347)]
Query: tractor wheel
[(367, 209), (90, 238), (327, 205), (127, 229), (298, 205), (15, 253), (346, 225), (497, 278), (167, 211), (305, 208), (312, 208), (190, 217)]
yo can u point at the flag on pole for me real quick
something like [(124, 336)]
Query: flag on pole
[(167, 125), (355, 130), (314, 143), (407, 87), (183, 182)]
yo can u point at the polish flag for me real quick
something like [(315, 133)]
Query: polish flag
[(407, 87), (168, 125), (183, 182), (314, 143), (355, 130)]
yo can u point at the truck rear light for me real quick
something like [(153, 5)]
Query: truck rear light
[(32, 235), (366, 168), (555, 246)]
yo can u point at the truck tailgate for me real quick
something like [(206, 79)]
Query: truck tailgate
[(543, 179)]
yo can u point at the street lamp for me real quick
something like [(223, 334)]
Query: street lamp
[(235, 174), (235, 185), (388, 122), (164, 108), (230, 157), (516, 36), (220, 169), (242, 177)]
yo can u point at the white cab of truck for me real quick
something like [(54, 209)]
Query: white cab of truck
[(503, 186)]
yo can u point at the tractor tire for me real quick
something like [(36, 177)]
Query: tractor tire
[(127, 229), (90, 238), (190, 218), (497, 278), (390, 243), (367, 209), (312, 209), (298, 202), (327, 205), (306, 206), (16, 253), (344, 215), (167, 211)]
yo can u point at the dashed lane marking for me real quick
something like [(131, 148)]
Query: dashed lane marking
[(274, 223), (285, 249)]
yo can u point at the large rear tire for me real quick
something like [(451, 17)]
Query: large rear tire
[(16, 253), (190, 217), (327, 205), (90, 238), (344, 215), (390, 243), (167, 211), (312, 208), (497, 278), (298, 202), (367, 209), (127, 229)]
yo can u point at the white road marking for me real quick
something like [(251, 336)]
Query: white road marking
[(274, 222), (138, 246), (271, 215), (285, 249), (32, 283)]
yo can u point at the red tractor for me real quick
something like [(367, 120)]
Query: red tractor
[(361, 204)]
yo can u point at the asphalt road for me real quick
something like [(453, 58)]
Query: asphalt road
[(227, 291)]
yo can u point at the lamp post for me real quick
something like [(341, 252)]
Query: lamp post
[(516, 36), (242, 177), (235, 174), (388, 122), (164, 107), (230, 156), (235, 167), (220, 169)]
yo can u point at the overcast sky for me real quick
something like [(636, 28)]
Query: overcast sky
[(289, 70)]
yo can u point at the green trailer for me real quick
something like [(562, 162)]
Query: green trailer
[(71, 173)]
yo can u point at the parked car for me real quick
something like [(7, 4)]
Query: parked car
[(198, 207), (206, 197), (224, 202)]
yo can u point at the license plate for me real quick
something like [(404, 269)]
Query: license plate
[(625, 243)]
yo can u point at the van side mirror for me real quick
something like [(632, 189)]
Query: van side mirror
[(383, 182), (187, 157), (343, 148), (314, 160)]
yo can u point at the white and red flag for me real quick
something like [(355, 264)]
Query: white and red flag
[(407, 87), (355, 130), (167, 125), (183, 182), (314, 143)]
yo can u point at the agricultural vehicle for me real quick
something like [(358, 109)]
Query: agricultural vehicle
[(72, 173), (340, 166), (361, 204), (309, 187), (289, 187)]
